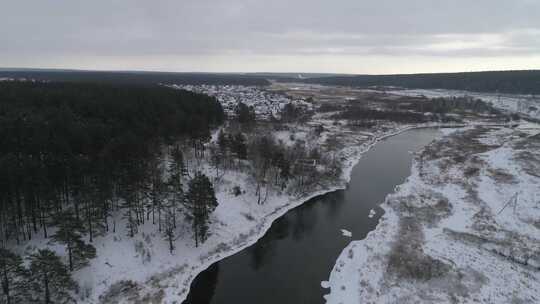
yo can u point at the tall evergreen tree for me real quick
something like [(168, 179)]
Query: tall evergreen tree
[(200, 202), (177, 171), (94, 208), (157, 192), (239, 146), (70, 233), (244, 113), (177, 168), (216, 158), (222, 141), (169, 224), (50, 280), (12, 276)]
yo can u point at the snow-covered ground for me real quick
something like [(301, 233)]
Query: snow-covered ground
[(528, 105), (141, 268), (237, 223), (463, 228)]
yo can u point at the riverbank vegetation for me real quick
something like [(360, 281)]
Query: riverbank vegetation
[(415, 110)]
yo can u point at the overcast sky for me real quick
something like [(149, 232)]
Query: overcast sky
[(342, 36)]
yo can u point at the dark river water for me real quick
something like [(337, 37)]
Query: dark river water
[(299, 251)]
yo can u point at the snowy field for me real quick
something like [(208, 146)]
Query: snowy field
[(524, 104), (463, 228)]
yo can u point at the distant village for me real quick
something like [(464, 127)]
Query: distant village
[(266, 104)]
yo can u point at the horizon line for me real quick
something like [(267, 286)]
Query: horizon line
[(42, 69)]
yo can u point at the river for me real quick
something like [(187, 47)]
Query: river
[(299, 251)]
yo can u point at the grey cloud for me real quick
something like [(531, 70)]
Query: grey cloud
[(277, 28)]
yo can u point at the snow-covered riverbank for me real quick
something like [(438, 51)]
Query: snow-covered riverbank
[(141, 268), (238, 223), (463, 228)]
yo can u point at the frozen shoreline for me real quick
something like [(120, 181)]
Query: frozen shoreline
[(354, 153), (267, 221), (120, 274), (366, 269)]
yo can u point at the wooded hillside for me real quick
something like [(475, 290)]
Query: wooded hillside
[(80, 145), (512, 82)]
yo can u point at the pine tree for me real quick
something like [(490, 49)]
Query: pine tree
[(169, 225), (177, 168), (70, 232), (177, 171), (95, 208), (216, 158), (262, 149), (50, 280), (127, 192), (222, 141), (283, 173), (200, 202), (238, 146), (244, 113), (129, 210), (12, 276), (157, 192)]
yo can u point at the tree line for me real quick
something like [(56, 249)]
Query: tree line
[(413, 110), (135, 77), (512, 82)]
